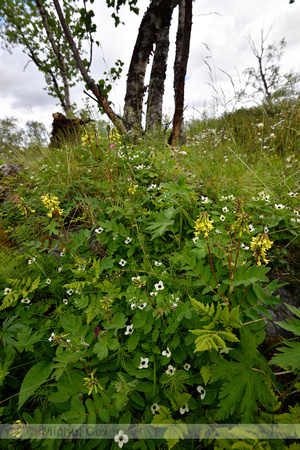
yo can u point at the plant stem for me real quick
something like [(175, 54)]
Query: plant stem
[(212, 268)]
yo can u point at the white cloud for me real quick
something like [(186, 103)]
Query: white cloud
[(224, 33)]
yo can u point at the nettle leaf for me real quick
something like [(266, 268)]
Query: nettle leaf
[(289, 356), (179, 188), (245, 386), (119, 321)]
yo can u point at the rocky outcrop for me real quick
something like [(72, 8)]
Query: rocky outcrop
[(288, 295), (7, 171)]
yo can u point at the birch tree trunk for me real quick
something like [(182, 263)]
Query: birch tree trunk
[(147, 37), (181, 59), (158, 74), (59, 56)]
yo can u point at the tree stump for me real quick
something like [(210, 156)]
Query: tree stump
[(65, 130)]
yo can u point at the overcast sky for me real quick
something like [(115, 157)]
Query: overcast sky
[(219, 37)]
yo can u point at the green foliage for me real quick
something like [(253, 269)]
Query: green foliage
[(114, 312), (289, 355), (248, 382), (36, 375), (19, 288)]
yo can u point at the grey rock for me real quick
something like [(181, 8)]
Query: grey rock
[(7, 171), (288, 295)]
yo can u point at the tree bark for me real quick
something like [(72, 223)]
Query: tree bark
[(147, 37), (101, 99), (60, 59), (181, 59), (158, 74)]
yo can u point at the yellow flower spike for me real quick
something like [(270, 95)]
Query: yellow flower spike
[(24, 209), (203, 224), (52, 203), (132, 189), (241, 223), (92, 383), (259, 245), (17, 429)]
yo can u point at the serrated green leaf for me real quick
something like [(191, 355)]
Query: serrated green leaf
[(206, 372), (162, 221), (292, 324), (212, 339), (101, 349), (113, 344), (246, 384), (289, 357)]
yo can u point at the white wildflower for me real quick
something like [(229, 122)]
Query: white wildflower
[(171, 370), (201, 391), (144, 363), (129, 329), (121, 438), (166, 352), (184, 408), (159, 286)]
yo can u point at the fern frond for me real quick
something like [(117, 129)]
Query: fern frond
[(77, 285), (20, 289), (204, 310), (231, 318), (209, 339)]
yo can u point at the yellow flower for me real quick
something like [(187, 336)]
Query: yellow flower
[(52, 203), (92, 383), (203, 224), (242, 223), (24, 209), (132, 189), (259, 245), (17, 429), (114, 136)]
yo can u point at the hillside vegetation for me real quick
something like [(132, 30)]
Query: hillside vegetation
[(134, 277)]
